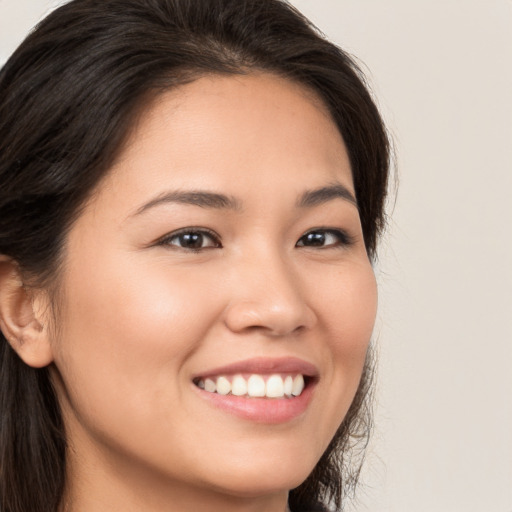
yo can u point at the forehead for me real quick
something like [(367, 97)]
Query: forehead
[(237, 133)]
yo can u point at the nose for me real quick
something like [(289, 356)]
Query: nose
[(267, 296)]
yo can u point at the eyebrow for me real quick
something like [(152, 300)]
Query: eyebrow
[(203, 199), (194, 198), (322, 195)]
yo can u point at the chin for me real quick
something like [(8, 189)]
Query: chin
[(257, 476), (256, 485)]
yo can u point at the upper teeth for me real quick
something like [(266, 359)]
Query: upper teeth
[(275, 386)]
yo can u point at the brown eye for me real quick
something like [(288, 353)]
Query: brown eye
[(192, 240), (324, 238)]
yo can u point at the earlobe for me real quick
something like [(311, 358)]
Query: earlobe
[(21, 319)]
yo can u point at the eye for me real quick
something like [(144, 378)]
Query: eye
[(325, 238), (192, 239)]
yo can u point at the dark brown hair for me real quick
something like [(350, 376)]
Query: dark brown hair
[(68, 97)]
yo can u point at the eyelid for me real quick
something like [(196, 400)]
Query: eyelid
[(165, 240), (345, 239)]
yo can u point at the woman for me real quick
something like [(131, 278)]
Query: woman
[(191, 198)]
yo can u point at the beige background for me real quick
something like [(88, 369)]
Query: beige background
[(442, 73)]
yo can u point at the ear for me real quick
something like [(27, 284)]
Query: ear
[(22, 316)]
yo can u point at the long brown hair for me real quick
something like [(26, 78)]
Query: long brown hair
[(68, 96)]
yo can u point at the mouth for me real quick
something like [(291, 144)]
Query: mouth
[(255, 385), (261, 390)]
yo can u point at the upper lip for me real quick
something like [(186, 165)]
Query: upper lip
[(264, 365)]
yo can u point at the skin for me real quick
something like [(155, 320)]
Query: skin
[(139, 318)]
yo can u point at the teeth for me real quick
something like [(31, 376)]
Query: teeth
[(288, 385), (298, 385), (239, 386), (223, 386), (256, 386), (210, 386), (275, 387)]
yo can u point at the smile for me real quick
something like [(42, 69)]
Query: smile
[(255, 385), (261, 390)]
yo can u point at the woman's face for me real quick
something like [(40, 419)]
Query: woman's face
[(225, 248)]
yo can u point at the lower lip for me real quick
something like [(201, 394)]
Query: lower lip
[(262, 410)]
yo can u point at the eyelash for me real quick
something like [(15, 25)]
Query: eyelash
[(202, 232), (343, 238)]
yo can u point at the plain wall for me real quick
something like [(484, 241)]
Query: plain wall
[(442, 74)]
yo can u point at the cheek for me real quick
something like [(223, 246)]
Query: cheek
[(348, 310), (127, 330)]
